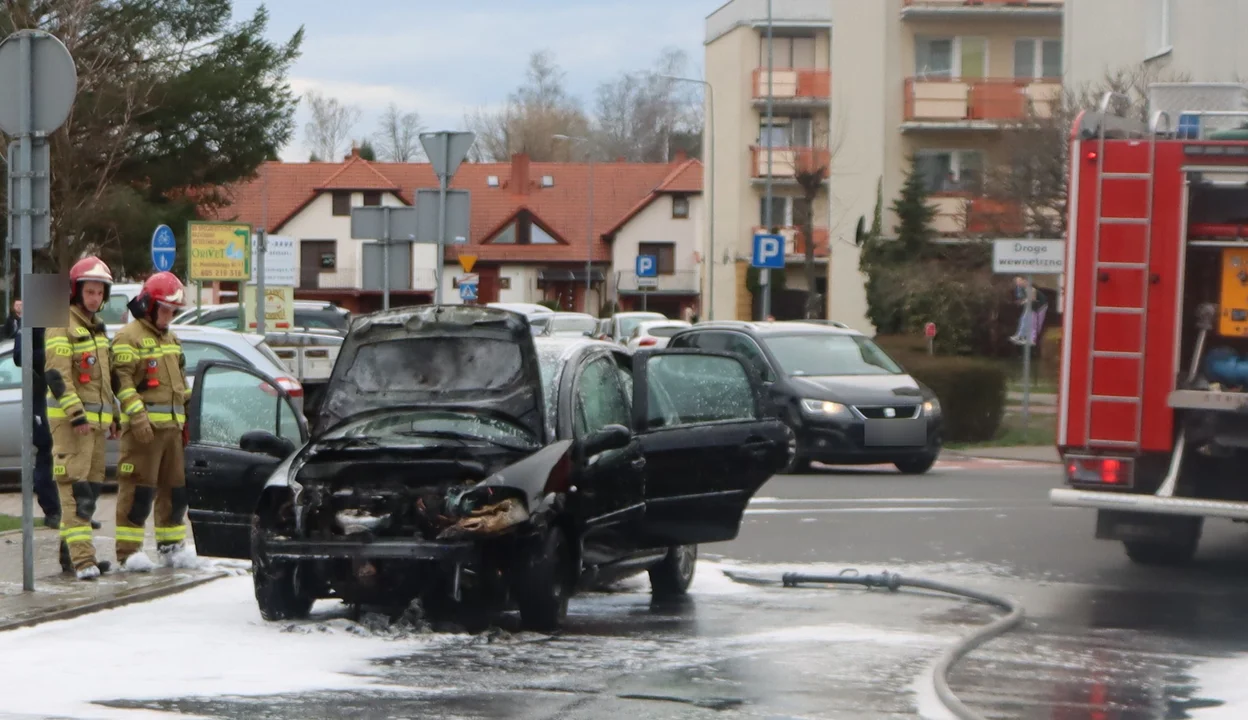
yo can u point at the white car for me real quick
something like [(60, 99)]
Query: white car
[(115, 311), (654, 334), (199, 344), (523, 308), (622, 324), (567, 324)]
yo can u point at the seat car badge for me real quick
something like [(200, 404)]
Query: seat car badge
[(890, 413)]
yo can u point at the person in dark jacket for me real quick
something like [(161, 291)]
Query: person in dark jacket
[(45, 488), (14, 323)]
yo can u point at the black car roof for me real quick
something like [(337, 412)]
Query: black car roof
[(766, 329)]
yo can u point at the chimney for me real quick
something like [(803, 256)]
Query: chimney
[(519, 174), (355, 151), (680, 156)]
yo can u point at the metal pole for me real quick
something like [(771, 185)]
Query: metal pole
[(589, 253), (262, 246), (26, 240), (710, 95), (385, 259), (1030, 329), (443, 182), (764, 275)]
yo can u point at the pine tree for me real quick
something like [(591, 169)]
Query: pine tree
[(367, 152), (914, 216)]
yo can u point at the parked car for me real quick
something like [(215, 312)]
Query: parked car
[(620, 325), (655, 333), (845, 400), (309, 315), (523, 308), (199, 344), (459, 460), (568, 324), (115, 310)]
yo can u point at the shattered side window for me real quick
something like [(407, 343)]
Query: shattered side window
[(551, 360), (436, 364), (691, 389)]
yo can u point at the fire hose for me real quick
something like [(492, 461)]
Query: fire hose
[(894, 582)]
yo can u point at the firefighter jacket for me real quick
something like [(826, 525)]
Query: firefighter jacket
[(77, 371), (151, 375)]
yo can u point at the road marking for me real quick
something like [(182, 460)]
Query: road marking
[(834, 501), (900, 509)]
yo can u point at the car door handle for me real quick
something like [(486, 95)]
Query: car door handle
[(638, 463), (757, 447)]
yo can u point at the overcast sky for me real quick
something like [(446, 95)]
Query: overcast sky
[(443, 58)]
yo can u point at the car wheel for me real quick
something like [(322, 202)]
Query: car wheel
[(798, 463), (279, 592), (916, 466), (544, 584), (674, 574)]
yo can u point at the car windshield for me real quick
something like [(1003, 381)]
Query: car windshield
[(820, 354), (629, 324), (436, 365), (437, 427), (578, 325)]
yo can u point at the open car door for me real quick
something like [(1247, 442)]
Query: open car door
[(708, 446), (242, 426)]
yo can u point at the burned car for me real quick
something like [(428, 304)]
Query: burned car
[(458, 460)]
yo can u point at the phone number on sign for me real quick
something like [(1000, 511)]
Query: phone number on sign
[(200, 272)]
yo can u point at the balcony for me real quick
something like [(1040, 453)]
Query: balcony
[(1045, 9), (966, 103), (793, 88), (787, 162), (965, 214), (681, 282), (795, 241)]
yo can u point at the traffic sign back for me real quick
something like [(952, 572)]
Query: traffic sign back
[(164, 248), (768, 251)]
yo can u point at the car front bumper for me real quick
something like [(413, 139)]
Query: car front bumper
[(403, 549), (844, 442)]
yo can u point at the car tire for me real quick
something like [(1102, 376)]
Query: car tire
[(1146, 553), (544, 584), (279, 594), (916, 466), (673, 575), (798, 463)]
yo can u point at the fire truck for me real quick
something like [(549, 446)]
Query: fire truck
[(1153, 402)]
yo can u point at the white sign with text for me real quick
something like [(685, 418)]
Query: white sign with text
[(1029, 257)]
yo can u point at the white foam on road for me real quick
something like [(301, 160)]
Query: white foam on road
[(1222, 679)]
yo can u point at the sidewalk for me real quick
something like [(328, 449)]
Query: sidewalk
[(1041, 454), (58, 596)]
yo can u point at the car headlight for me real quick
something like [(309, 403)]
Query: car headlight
[(825, 408), (931, 407)]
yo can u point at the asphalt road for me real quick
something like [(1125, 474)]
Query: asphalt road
[(1104, 639)]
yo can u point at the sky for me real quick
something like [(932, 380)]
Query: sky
[(444, 58)]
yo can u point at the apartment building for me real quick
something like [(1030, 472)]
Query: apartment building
[(736, 68)]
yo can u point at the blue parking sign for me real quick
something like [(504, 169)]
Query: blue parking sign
[(768, 251), (647, 266)]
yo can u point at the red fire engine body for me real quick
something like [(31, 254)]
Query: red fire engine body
[(1156, 287)]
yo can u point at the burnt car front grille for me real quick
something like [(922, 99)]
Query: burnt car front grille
[(888, 412)]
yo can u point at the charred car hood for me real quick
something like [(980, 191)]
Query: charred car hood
[(859, 389), (437, 356)]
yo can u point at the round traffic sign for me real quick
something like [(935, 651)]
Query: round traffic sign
[(930, 329), (164, 248), (54, 82)]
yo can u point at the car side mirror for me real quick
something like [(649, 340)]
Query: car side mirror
[(266, 443), (611, 437)]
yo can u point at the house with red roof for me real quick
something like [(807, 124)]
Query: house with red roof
[(538, 231)]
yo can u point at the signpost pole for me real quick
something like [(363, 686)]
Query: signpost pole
[(1030, 329), (262, 246), (443, 181), (385, 257), (25, 206), (764, 275)]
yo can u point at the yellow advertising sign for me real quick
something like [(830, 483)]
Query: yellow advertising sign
[(279, 308), (219, 251), (467, 261)]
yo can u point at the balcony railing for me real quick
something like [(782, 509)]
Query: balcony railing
[(795, 241), (979, 99), (681, 281), (962, 213), (1029, 6), (787, 162), (788, 84)]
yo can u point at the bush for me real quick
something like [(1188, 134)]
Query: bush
[(972, 394), (552, 304)]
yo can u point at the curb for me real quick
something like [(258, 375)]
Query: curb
[(976, 456), (142, 595)]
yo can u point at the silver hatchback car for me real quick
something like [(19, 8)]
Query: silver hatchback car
[(199, 344)]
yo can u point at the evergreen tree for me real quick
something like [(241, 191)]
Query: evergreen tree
[(914, 217), (367, 152)]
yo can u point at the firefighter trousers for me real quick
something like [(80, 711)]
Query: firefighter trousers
[(150, 474), (78, 468)]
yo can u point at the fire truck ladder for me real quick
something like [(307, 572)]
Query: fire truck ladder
[(1101, 275)]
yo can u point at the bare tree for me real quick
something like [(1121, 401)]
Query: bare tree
[(646, 116), (811, 168), (330, 127), (537, 111), (398, 138), (1027, 186)]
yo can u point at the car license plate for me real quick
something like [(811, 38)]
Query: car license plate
[(896, 433)]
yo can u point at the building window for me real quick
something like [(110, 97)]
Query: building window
[(787, 52), (523, 231), (786, 132), (372, 198), (680, 207), (779, 212), (946, 57), (538, 236), (951, 171), (664, 252), (1036, 58), (504, 283), (799, 210), (342, 204)]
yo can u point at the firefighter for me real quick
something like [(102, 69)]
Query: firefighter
[(80, 410), (152, 392)]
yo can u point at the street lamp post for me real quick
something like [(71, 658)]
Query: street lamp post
[(710, 168), (589, 252)]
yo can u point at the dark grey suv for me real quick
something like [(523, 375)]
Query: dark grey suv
[(846, 401)]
